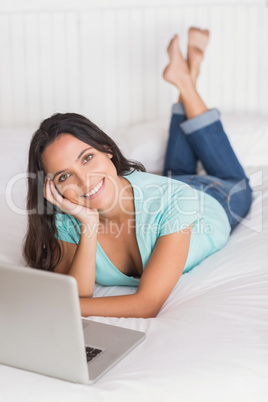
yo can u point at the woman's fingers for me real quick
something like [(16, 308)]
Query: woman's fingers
[(47, 193), (51, 194), (54, 192), (81, 212)]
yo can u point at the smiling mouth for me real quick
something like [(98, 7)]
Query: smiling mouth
[(95, 190)]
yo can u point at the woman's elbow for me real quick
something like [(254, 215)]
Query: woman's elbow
[(86, 294), (150, 314), (148, 308)]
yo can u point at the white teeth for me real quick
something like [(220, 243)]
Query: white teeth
[(94, 190)]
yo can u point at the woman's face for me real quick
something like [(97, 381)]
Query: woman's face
[(81, 173)]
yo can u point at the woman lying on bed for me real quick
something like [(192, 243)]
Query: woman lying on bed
[(108, 221)]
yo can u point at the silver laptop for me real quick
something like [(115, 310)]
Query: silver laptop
[(42, 330)]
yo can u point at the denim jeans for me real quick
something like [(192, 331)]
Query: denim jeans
[(203, 138)]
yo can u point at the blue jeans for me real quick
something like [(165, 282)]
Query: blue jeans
[(203, 138)]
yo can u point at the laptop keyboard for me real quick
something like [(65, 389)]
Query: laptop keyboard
[(92, 352)]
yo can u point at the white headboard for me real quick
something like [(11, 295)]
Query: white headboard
[(105, 59)]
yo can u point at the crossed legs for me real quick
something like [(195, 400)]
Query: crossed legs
[(196, 133), (180, 157), (201, 136)]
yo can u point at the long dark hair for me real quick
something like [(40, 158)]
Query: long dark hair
[(41, 246)]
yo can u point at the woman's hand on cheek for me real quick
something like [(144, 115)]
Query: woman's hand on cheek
[(84, 214)]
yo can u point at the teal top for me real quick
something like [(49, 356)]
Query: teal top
[(162, 206)]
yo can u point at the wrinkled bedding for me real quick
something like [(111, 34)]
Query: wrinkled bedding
[(209, 341)]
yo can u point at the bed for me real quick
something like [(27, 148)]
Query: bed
[(209, 342)]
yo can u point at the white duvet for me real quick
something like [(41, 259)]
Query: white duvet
[(209, 341)]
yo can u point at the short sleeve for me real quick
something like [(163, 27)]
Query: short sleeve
[(180, 211), (68, 228)]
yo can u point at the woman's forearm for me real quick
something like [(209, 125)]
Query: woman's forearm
[(117, 306), (83, 267)]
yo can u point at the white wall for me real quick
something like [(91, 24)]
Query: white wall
[(105, 59)]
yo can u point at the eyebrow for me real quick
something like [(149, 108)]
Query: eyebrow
[(77, 159)]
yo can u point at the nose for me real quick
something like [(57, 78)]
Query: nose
[(86, 180)]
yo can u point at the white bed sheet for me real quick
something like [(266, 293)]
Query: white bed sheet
[(210, 339)]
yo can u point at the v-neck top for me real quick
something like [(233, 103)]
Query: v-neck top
[(162, 206)]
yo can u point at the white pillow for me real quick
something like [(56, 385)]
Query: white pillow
[(14, 145), (146, 142), (248, 134)]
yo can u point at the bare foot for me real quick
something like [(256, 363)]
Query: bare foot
[(197, 42), (177, 70)]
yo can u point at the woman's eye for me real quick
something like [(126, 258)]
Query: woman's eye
[(63, 177), (87, 158)]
